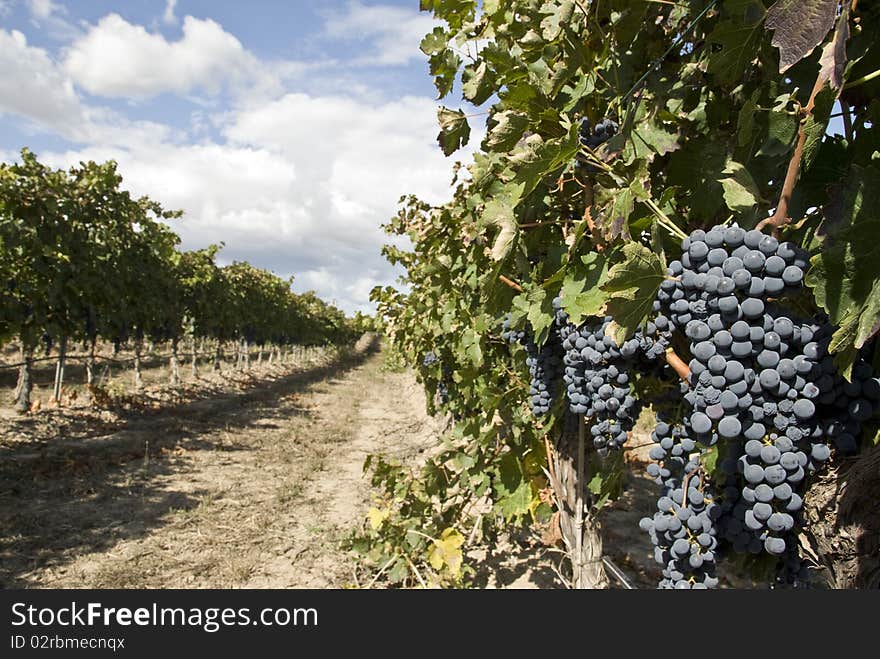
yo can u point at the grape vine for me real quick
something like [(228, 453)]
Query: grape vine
[(617, 133), (80, 258)]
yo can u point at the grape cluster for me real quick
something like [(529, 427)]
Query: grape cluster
[(597, 379), (545, 367), (761, 382), (593, 137), (683, 533), (429, 359), (762, 389), (684, 528), (443, 385)]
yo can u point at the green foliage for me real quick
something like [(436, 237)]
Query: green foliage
[(79, 258), (845, 274), (708, 128)]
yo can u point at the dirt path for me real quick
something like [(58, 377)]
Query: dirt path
[(239, 483), (249, 489)]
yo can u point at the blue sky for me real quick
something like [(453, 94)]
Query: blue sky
[(287, 130)]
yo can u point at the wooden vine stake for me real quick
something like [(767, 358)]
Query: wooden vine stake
[(578, 525), (59, 370)]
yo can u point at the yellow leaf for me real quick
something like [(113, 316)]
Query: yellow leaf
[(447, 551), (377, 517)]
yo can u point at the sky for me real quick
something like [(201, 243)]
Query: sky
[(285, 129), (288, 130)]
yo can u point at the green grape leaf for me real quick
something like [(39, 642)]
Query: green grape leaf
[(513, 490), (454, 130), (477, 84), (741, 193), (782, 128), (507, 132), (844, 274), (454, 12), (735, 40), (537, 307), (632, 286), (650, 139), (816, 125), (581, 293), (538, 159), (435, 41), (444, 67), (745, 123)]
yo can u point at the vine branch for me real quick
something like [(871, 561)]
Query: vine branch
[(511, 283), (678, 365)]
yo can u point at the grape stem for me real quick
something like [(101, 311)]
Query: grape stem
[(684, 490), (678, 364), (511, 283)]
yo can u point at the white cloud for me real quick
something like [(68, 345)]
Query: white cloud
[(395, 32), (44, 8), (51, 18), (118, 59), (299, 184), (34, 88), (168, 17)]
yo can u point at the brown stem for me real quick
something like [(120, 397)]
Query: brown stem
[(511, 283), (684, 490), (678, 364), (533, 225)]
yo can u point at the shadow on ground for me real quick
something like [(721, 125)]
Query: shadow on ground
[(71, 485)]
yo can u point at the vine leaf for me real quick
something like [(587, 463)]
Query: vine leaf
[(833, 59), (499, 212), (540, 158), (741, 193), (816, 125), (799, 26), (470, 341), (537, 307), (581, 294), (377, 517), (508, 131), (782, 128), (454, 130), (649, 138), (632, 285), (447, 552), (477, 84), (434, 42), (844, 274), (513, 489), (734, 42)]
